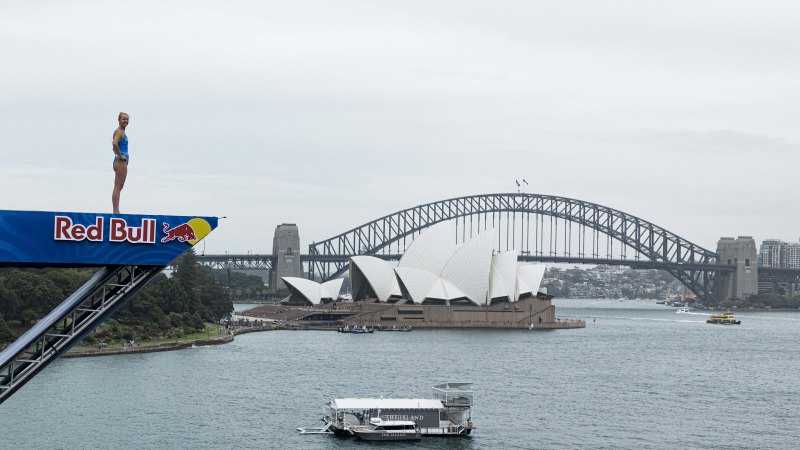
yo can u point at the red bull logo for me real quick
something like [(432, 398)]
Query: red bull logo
[(192, 231), (72, 239), (119, 230), (182, 233)]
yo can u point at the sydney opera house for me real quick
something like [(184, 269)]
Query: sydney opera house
[(438, 284)]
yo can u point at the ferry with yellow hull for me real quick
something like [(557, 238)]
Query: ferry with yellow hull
[(725, 318)]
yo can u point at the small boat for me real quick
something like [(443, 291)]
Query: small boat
[(394, 328), (683, 310), (388, 430), (354, 329), (725, 318)]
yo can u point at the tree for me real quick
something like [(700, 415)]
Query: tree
[(5, 333), (184, 302)]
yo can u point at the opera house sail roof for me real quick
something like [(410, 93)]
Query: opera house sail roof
[(434, 270), (306, 291)]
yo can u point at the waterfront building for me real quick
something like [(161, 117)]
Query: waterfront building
[(434, 271), (793, 255), (772, 253), (437, 285)]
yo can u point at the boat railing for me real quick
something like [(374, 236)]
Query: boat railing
[(454, 397)]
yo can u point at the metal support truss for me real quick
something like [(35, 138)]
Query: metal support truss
[(82, 312), (238, 262), (778, 275), (693, 265)]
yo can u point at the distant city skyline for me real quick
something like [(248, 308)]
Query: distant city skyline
[(331, 114)]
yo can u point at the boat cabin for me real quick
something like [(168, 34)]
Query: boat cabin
[(449, 412)]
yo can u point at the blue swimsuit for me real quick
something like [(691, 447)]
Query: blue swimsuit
[(123, 146)]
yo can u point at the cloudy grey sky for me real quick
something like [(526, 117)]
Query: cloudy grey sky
[(329, 114)]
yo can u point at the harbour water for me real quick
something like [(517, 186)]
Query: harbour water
[(638, 376)]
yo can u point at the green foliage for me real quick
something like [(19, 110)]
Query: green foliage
[(175, 320), (241, 285), (27, 294), (5, 333), (165, 307), (774, 300)]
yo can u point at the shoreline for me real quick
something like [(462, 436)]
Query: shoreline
[(170, 346), (164, 347)]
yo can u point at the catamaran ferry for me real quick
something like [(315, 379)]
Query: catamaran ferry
[(447, 414), (726, 318)]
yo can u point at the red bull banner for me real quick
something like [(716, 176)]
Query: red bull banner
[(96, 239)]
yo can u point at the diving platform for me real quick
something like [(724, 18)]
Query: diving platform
[(131, 249)]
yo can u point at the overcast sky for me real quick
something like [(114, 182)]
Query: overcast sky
[(329, 114)]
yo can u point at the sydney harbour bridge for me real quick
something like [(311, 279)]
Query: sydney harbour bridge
[(541, 228)]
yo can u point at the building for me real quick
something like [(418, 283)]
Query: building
[(434, 271), (793, 255), (436, 284), (772, 253)]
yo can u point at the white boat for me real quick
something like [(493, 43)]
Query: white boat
[(354, 329), (446, 414), (388, 430), (683, 310)]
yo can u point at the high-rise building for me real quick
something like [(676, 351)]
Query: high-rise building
[(793, 255), (773, 253)]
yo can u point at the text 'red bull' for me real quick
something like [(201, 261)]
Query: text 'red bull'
[(119, 230), (182, 233)]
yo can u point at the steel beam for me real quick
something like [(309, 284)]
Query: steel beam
[(65, 326)]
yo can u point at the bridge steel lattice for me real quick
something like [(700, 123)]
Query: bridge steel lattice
[(540, 227)]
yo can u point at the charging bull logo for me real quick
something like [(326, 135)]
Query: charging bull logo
[(192, 231)]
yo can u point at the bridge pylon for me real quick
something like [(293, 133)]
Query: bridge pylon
[(743, 281)]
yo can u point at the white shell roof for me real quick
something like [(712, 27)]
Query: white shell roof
[(431, 249), (442, 289), (503, 276), (379, 274), (433, 267), (386, 403), (529, 278), (310, 290), (468, 268), (417, 282), (331, 288)]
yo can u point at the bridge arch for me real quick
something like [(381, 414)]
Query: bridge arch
[(688, 262)]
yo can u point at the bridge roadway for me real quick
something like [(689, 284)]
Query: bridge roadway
[(266, 262)]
